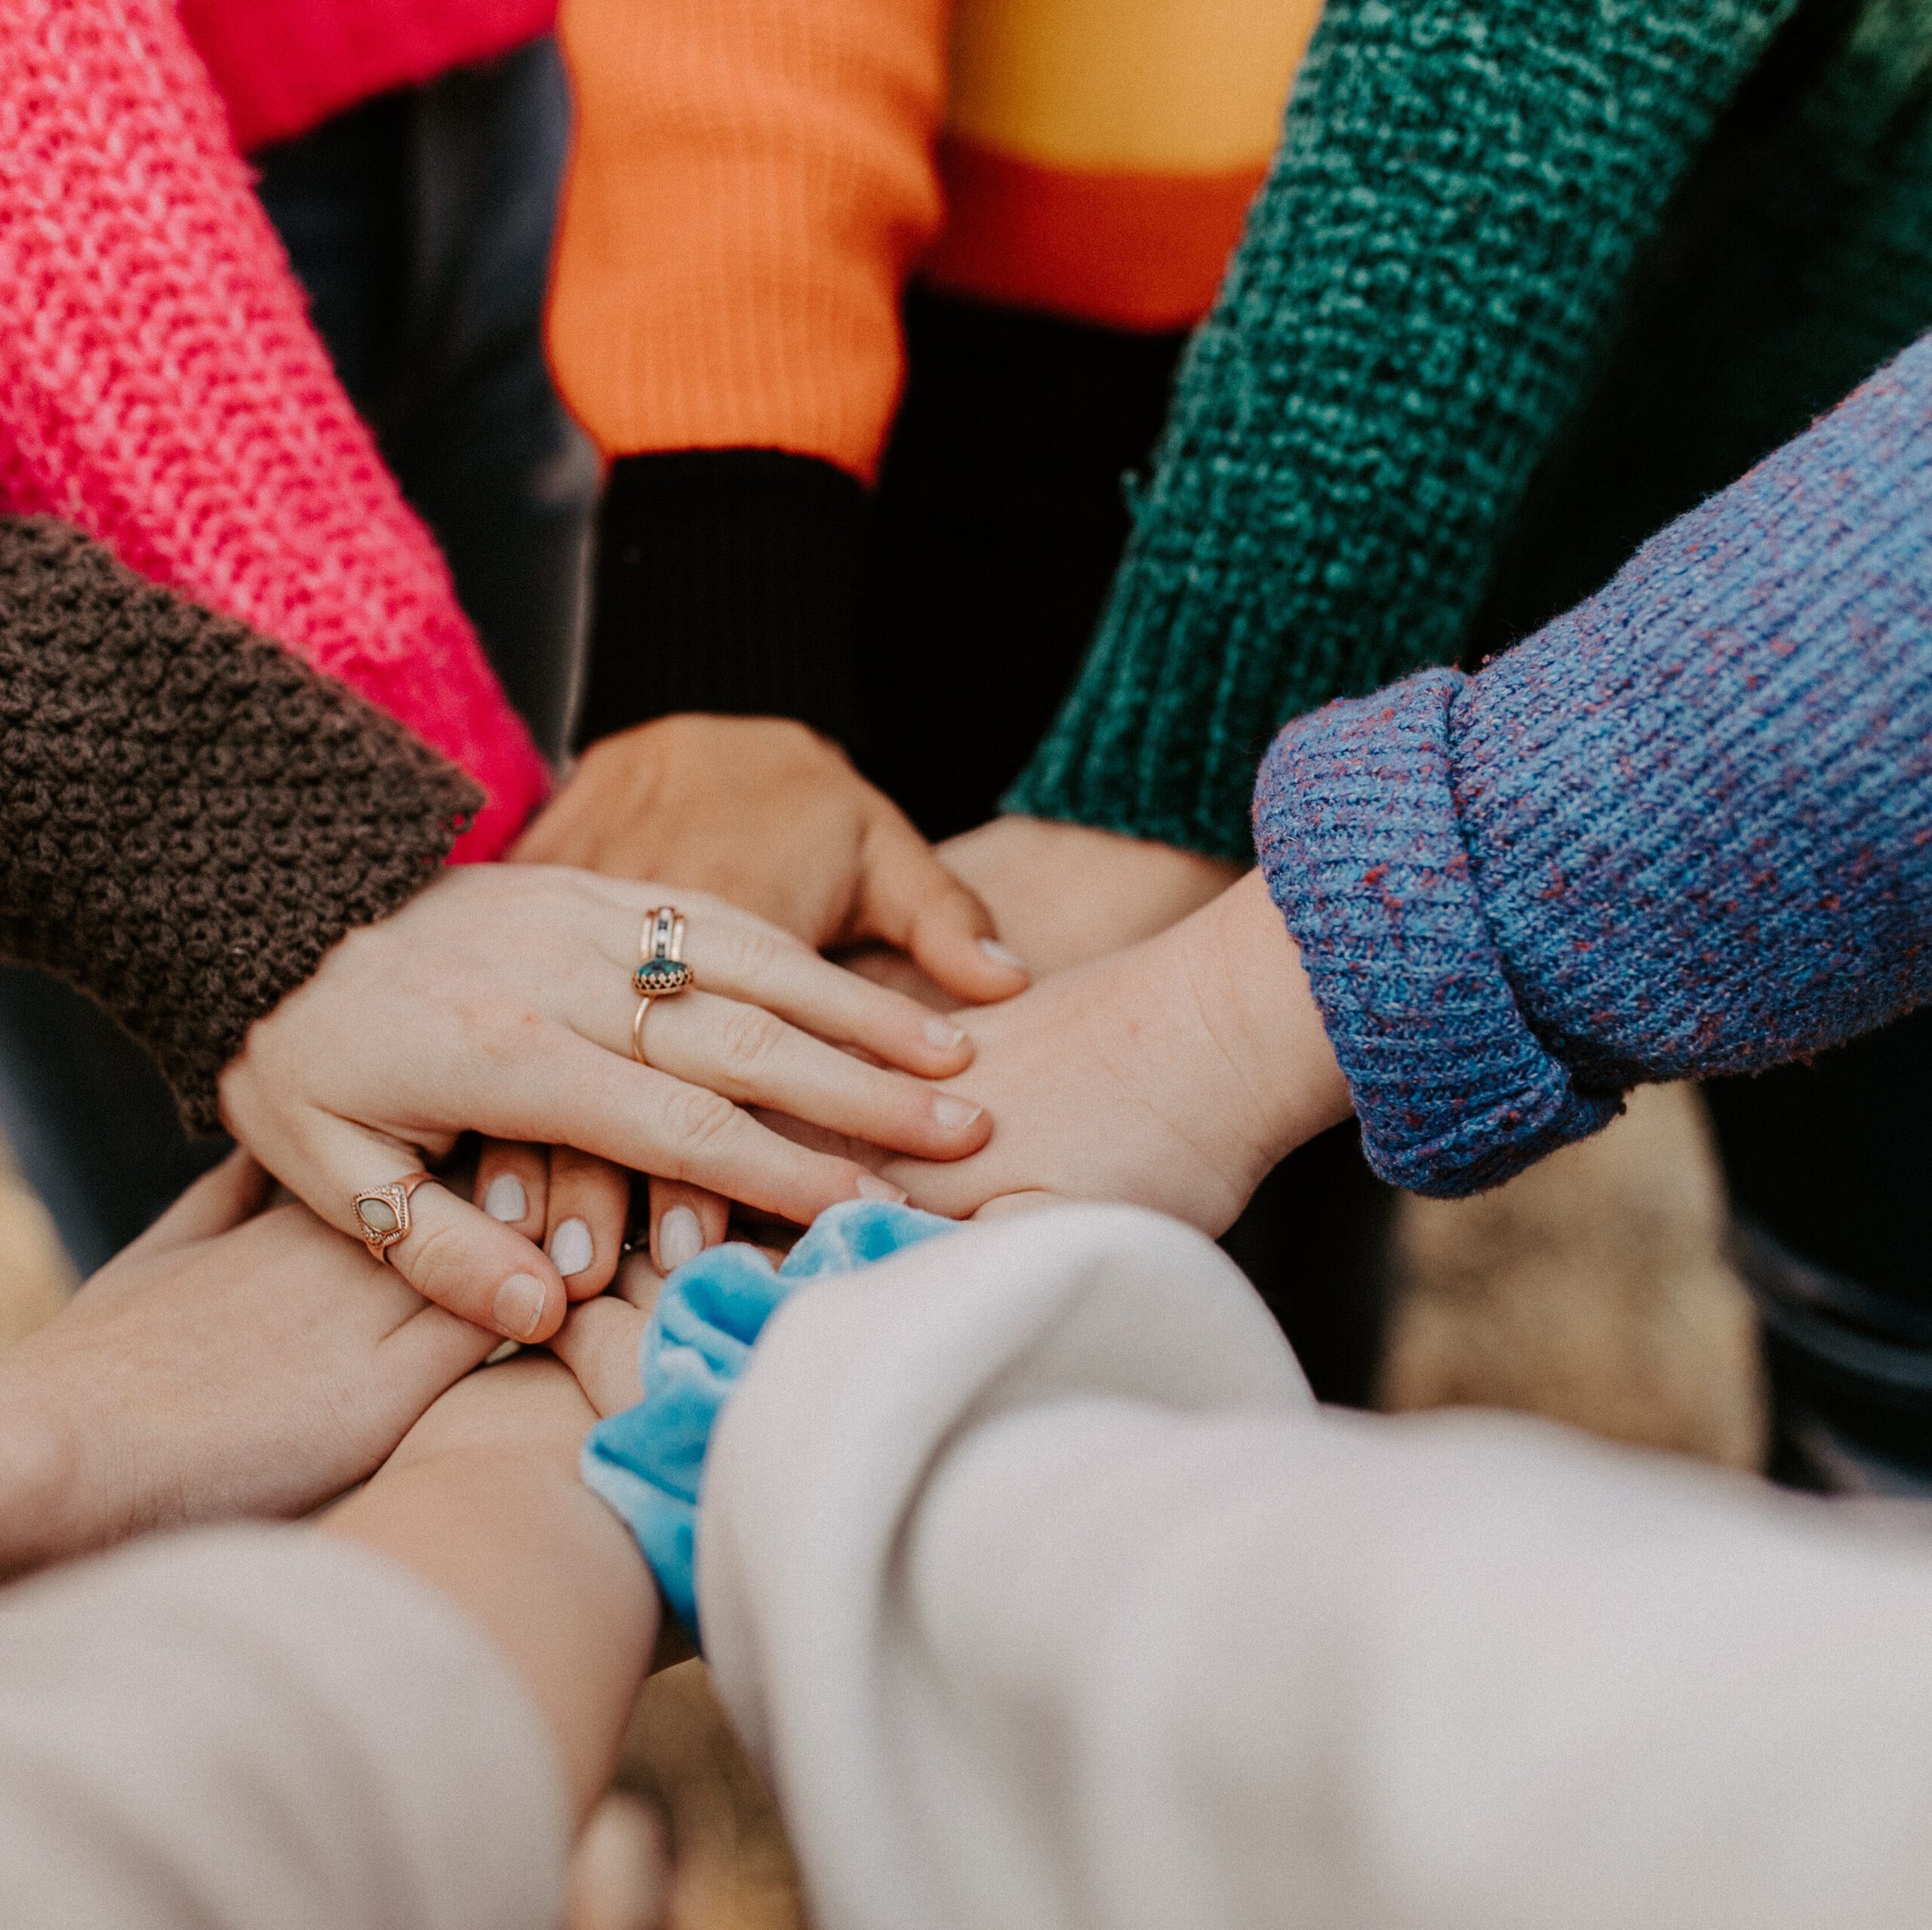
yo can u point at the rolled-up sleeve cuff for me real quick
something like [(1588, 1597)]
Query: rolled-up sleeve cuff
[(1355, 825)]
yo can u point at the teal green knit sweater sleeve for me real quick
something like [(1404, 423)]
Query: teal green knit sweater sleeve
[(1427, 276)]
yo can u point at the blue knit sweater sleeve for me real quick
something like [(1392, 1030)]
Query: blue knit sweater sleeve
[(1685, 829)]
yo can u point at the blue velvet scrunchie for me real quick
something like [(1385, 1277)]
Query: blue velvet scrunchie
[(648, 1462)]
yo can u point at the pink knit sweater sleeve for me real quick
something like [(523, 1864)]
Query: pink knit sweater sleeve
[(161, 386)]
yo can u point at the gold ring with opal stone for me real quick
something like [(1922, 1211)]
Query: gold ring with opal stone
[(382, 1213)]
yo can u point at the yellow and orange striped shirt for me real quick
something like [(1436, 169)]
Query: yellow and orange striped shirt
[(753, 181)]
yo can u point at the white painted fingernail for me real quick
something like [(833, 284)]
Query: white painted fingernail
[(519, 1305), (944, 1036), (952, 1113), (1002, 954), (679, 1238), (506, 1200), (871, 1187), (570, 1248)]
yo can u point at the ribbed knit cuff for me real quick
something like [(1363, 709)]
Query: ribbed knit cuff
[(1149, 743), (190, 816), (1355, 821), (1351, 432), (726, 581)]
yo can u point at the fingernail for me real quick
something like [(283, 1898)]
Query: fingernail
[(1002, 954), (952, 1113), (571, 1248), (679, 1238), (506, 1198), (871, 1187), (520, 1305), (944, 1036)]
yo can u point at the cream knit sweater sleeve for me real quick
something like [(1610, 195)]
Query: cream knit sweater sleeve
[(265, 1729), (1047, 1596)]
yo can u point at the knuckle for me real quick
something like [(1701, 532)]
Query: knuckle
[(699, 1118), (440, 1265), (749, 953), (751, 1037)]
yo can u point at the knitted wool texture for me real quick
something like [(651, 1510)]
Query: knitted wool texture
[(161, 387), (1796, 260), (1426, 279), (189, 818), (1685, 830), (285, 66)]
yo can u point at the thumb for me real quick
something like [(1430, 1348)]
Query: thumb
[(908, 899), (454, 1253)]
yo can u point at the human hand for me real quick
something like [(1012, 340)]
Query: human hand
[(599, 1340), (500, 1000), (1173, 1074), (223, 1365), (482, 1501), (1061, 894), (766, 814)]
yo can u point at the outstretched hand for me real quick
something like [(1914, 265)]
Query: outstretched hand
[(772, 818), (1174, 1074), (1064, 894), (768, 815), (500, 1000), (231, 1362)]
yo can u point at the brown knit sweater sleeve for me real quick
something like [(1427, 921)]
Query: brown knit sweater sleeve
[(190, 816)]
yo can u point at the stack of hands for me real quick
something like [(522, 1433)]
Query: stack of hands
[(1035, 1010)]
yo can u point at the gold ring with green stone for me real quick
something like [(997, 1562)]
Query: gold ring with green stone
[(661, 971)]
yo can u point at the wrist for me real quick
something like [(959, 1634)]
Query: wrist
[(483, 1502), (42, 1518), (1276, 1040)]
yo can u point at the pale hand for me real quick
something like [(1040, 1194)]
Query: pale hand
[(229, 1363), (1063, 894), (768, 815), (500, 1000), (1175, 1074)]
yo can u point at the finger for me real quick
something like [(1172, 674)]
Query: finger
[(753, 1057), (221, 1199), (454, 1254), (589, 1207), (684, 1220), (1006, 1206), (599, 1344), (457, 1256), (743, 959), (426, 1356), (641, 1118), (620, 1871), (909, 899), (638, 1281), (513, 1184)]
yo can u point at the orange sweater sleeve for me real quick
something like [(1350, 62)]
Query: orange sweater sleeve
[(751, 182)]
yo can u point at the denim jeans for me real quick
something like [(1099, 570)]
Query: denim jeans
[(420, 224)]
